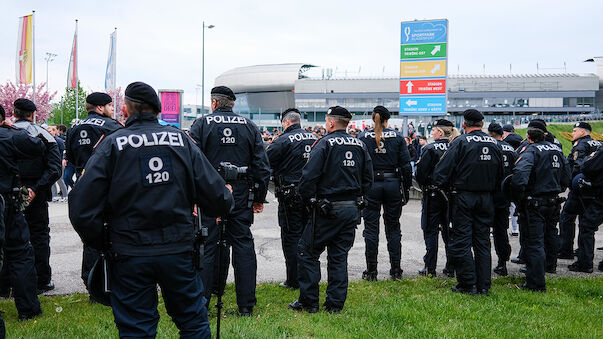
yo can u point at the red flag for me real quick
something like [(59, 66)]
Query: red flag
[(72, 77)]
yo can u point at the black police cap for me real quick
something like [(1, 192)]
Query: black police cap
[(25, 105), (142, 93), (339, 111), (537, 124), (495, 128), (2, 112), (584, 125), (508, 128), (99, 99), (289, 110), (443, 123), (383, 112), (225, 91), (473, 115)]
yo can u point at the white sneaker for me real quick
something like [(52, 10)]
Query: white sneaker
[(55, 199)]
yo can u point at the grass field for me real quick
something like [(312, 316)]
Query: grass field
[(557, 129), (419, 307)]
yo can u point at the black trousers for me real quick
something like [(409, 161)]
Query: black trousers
[(384, 193), (589, 224), (500, 234), (434, 217), (134, 298), (567, 223), (336, 234), (472, 216), (238, 237), (36, 215), (89, 257), (19, 270), (292, 220), (539, 228)]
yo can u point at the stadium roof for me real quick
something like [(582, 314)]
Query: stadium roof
[(263, 78)]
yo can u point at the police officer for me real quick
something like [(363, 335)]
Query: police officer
[(338, 173), (435, 212), (548, 136), (288, 154), (473, 168), (143, 181), (591, 185), (502, 204), (38, 175), (510, 137), (583, 146), (226, 137), (81, 139), (392, 181), (14, 234), (540, 174)]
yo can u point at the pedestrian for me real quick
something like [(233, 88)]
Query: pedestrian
[(38, 175), (473, 168), (338, 173), (230, 141), (435, 212), (540, 174), (390, 190), (288, 154), (143, 181)]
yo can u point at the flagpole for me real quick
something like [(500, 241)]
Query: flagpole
[(77, 78), (33, 52), (115, 76)]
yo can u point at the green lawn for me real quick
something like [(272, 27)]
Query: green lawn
[(419, 307), (555, 129)]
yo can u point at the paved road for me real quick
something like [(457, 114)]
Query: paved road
[(67, 249)]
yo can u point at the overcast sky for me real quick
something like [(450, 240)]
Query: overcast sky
[(159, 42)]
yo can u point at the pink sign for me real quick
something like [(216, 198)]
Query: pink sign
[(170, 107)]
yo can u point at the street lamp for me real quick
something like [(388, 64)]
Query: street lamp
[(49, 57), (203, 67), (197, 87)]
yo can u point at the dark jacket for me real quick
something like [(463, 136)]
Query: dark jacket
[(430, 156), (289, 153), (541, 170)]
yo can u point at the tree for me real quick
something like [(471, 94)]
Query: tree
[(118, 101), (67, 107), (11, 92)]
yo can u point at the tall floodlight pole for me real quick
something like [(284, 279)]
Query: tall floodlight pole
[(203, 66), (49, 57)]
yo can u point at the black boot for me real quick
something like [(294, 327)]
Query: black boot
[(395, 272), (448, 270), (371, 272), (501, 269)]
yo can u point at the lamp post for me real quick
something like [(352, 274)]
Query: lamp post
[(203, 66), (197, 87), (49, 57)]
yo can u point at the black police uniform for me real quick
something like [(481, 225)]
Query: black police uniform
[(435, 212), (40, 174), (540, 174), (19, 262), (514, 140), (143, 181), (338, 173), (224, 136), (473, 168), (501, 212), (81, 139), (288, 154), (582, 148), (392, 180), (592, 169)]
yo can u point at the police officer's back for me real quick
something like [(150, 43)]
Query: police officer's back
[(18, 253), (540, 174), (38, 175), (390, 189), (142, 181), (338, 173), (288, 154), (473, 168), (226, 137)]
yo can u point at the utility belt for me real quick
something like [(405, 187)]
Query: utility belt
[(325, 207), (541, 201), (287, 194), (588, 191), (381, 175), (232, 173)]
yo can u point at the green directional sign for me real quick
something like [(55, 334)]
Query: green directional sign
[(423, 51)]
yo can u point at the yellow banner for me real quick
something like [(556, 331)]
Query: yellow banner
[(25, 50), (423, 69)]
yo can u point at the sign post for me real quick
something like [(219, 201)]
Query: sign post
[(171, 106), (423, 68)]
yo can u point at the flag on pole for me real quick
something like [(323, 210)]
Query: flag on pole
[(72, 77), (110, 78), (25, 50)]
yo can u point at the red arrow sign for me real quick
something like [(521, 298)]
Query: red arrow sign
[(428, 86)]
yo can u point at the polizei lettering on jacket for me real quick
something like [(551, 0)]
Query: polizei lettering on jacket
[(301, 137), (348, 141), (508, 148), (154, 139), (225, 119), (550, 147), (481, 138), (386, 134)]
